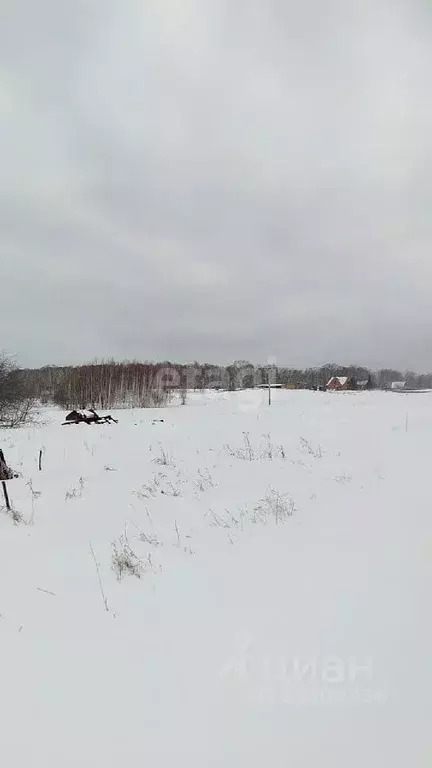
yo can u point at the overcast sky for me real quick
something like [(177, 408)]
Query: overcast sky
[(216, 179)]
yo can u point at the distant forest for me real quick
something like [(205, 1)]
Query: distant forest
[(132, 384)]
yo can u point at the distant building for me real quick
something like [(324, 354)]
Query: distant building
[(341, 383), (266, 386), (366, 384), (398, 385)]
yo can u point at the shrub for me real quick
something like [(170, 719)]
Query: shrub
[(17, 406)]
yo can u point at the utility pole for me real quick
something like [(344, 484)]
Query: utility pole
[(271, 362)]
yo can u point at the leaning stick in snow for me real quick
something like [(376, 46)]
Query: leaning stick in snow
[(105, 601), (177, 532), (4, 475), (5, 493), (40, 460)]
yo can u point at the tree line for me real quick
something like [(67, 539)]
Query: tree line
[(109, 384), (134, 384)]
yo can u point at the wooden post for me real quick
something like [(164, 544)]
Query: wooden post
[(40, 460), (5, 493)]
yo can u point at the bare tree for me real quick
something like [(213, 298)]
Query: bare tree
[(17, 406), (114, 385)]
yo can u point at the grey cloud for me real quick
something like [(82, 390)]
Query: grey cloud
[(216, 180)]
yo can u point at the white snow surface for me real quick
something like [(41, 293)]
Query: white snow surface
[(282, 614)]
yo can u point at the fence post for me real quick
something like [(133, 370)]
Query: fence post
[(5, 493)]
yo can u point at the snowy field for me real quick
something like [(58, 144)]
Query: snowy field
[(236, 586)]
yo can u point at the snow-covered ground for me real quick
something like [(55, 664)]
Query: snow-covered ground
[(282, 614)]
